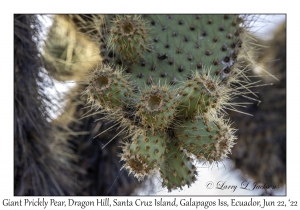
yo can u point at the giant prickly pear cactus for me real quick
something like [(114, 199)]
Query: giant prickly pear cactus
[(167, 80)]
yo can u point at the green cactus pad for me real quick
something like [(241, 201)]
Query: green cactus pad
[(182, 43), (198, 95), (157, 107), (146, 150), (207, 140), (108, 88), (178, 169)]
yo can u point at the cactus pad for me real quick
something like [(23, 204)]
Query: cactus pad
[(145, 152), (108, 88), (182, 43), (207, 140), (157, 107), (129, 35), (178, 169)]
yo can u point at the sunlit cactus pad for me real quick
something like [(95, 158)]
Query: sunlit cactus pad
[(167, 48)]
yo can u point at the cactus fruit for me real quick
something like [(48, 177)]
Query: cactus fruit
[(99, 168), (166, 80), (202, 94), (61, 156)]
